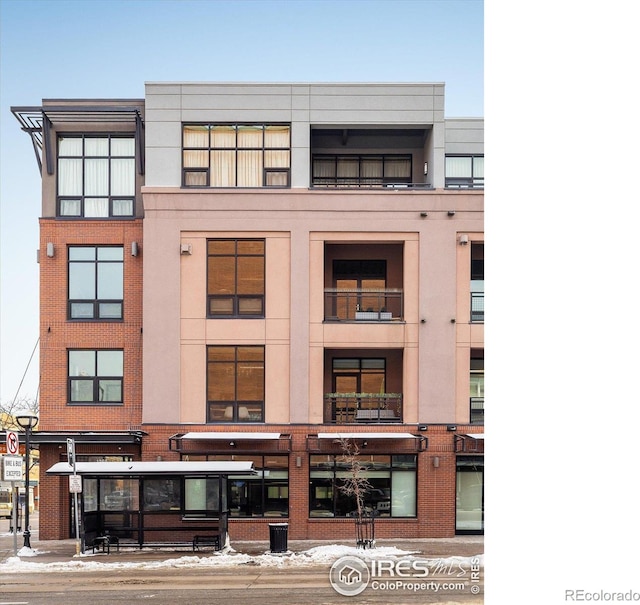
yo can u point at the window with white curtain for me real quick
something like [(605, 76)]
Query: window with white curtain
[(236, 155), (464, 171), (96, 176)]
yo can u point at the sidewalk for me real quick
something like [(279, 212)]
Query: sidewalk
[(57, 551)]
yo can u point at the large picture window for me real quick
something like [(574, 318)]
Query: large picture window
[(95, 282), (235, 384), (392, 480), (235, 278), (236, 155), (470, 495), (96, 176), (95, 376)]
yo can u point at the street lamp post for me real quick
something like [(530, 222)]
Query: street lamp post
[(27, 422)]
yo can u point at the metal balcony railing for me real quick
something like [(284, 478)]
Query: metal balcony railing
[(361, 304), (477, 307), (362, 408)]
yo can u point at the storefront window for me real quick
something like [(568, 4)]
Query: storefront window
[(391, 492), (470, 494)]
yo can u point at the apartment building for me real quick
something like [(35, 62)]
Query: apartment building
[(255, 273)]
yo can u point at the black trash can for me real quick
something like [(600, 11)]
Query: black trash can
[(278, 535)]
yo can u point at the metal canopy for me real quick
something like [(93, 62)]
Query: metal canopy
[(60, 437), (36, 122), (366, 436), (208, 436), (131, 469)]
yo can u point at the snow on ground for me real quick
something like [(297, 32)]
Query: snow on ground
[(223, 559)]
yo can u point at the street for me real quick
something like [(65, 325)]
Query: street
[(198, 587)]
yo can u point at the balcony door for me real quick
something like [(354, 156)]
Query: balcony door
[(364, 279)]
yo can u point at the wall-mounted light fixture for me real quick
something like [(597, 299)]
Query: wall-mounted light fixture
[(232, 443), (298, 461), (436, 461), (424, 215), (365, 443), (463, 239), (134, 248), (50, 249), (185, 248), (426, 168), (422, 427), (452, 427), (451, 212)]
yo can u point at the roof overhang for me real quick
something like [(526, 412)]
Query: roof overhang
[(36, 122), (339, 436), (202, 441), (237, 436), (140, 469), (331, 442), (92, 437), (469, 443)]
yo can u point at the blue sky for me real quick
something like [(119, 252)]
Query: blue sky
[(98, 49)]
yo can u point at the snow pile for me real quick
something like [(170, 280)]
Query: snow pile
[(320, 555)]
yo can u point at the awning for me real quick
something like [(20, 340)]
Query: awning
[(475, 435), (230, 436), (130, 469), (403, 442), (86, 437), (198, 442), (366, 436)]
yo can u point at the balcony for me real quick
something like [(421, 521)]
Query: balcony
[(358, 304), (362, 408)]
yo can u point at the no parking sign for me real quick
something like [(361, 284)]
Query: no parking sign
[(13, 443)]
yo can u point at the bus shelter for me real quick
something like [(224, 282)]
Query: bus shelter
[(153, 503)]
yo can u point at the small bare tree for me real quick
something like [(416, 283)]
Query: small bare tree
[(357, 485), (9, 410)]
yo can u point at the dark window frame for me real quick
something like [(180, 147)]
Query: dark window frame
[(335, 466), (234, 296), (266, 171), (97, 301), (81, 198), (236, 404), (94, 379), (471, 182)]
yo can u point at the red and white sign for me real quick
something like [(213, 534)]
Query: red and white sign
[(13, 443)]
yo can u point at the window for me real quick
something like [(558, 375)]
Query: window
[(95, 282), (162, 494), (236, 155), (235, 384), (469, 495), (263, 495), (95, 376), (476, 387), (477, 282), (392, 480), (464, 172), (235, 278), (360, 170), (96, 176)]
